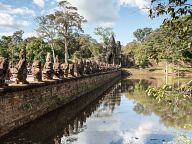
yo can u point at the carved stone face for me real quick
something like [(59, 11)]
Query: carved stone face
[(36, 64)]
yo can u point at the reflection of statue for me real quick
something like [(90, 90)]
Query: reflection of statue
[(20, 70), (4, 71), (37, 71), (48, 68), (58, 73)]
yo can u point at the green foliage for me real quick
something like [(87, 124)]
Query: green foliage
[(180, 15), (105, 33), (27, 106), (141, 34), (77, 55), (181, 139), (36, 48), (62, 23)]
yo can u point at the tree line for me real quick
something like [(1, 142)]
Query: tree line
[(172, 41), (61, 33)]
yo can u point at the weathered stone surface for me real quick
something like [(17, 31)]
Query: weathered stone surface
[(58, 72), (4, 71), (20, 71), (87, 69), (48, 71), (22, 104), (78, 68), (65, 68), (37, 71), (111, 53), (71, 70)]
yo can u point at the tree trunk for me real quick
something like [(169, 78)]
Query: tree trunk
[(53, 51), (166, 72), (66, 51)]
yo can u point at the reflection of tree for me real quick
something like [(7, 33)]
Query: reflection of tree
[(173, 112), (140, 109)]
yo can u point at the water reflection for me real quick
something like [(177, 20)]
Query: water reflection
[(65, 122), (172, 114), (123, 115)]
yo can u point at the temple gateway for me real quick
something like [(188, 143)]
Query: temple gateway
[(111, 53)]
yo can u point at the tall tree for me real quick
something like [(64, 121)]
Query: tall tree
[(47, 30), (5, 42), (105, 33), (67, 21), (141, 34)]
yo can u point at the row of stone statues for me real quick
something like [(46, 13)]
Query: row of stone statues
[(50, 70)]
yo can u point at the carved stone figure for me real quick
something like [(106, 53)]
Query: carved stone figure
[(20, 71), (4, 71), (65, 68), (37, 71), (87, 69), (71, 69), (48, 71), (58, 73), (79, 68)]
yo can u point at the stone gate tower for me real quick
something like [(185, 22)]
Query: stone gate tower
[(111, 53)]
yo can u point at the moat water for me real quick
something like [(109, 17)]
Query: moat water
[(122, 115)]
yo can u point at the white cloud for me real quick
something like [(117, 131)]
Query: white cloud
[(140, 4), (11, 10), (99, 11), (8, 16), (40, 3), (6, 20), (106, 12)]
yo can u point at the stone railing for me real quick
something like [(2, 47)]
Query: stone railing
[(53, 85), (50, 70)]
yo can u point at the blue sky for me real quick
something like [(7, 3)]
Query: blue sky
[(124, 16)]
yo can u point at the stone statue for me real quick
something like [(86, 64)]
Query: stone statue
[(20, 71), (37, 71), (4, 71), (65, 68), (87, 68), (48, 71), (58, 73), (78, 68), (71, 70), (82, 67)]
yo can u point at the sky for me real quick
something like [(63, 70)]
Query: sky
[(124, 16)]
